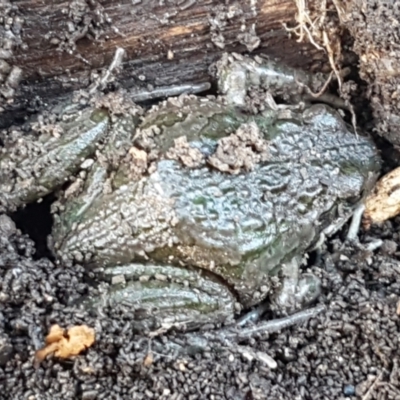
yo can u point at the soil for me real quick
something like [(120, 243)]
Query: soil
[(350, 350), (241, 150), (375, 28), (190, 157)]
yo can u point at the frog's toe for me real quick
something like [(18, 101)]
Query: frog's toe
[(373, 245), (295, 291), (254, 315), (295, 295), (354, 228), (232, 79), (308, 289), (285, 297)]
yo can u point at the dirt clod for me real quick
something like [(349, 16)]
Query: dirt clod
[(240, 151), (190, 157)]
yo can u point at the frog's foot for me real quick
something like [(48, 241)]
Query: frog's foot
[(290, 297), (225, 339), (295, 292), (237, 73), (268, 327), (271, 104)]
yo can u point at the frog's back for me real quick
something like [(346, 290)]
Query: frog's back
[(244, 226)]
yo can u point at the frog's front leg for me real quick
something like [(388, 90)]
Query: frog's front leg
[(296, 290), (236, 74), (34, 167), (73, 207)]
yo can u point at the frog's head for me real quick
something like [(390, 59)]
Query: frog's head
[(358, 154)]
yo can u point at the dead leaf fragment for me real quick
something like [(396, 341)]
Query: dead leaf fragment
[(66, 343), (384, 202), (148, 360)]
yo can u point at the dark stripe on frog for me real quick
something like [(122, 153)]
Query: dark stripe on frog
[(202, 299)]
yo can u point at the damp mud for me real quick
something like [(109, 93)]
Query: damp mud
[(375, 28)]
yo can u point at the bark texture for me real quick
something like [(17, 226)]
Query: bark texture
[(50, 48)]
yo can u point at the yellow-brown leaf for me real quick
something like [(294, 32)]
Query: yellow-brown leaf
[(65, 344)]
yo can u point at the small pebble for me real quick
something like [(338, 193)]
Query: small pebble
[(117, 279), (388, 247), (349, 390)]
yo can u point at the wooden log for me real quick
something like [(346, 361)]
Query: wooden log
[(58, 46)]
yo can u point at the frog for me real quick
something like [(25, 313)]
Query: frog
[(196, 209)]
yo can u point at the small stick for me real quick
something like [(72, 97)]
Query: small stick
[(340, 11), (331, 58), (169, 91), (372, 387), (116, 62)]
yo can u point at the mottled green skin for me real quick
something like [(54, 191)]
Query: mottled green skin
[(242, 227), (193, 242)]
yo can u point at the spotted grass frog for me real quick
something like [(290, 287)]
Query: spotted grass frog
[(197, 208)]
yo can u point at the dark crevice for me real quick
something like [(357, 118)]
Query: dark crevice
[(35, 220)]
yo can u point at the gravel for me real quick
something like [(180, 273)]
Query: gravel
[(347, 351)]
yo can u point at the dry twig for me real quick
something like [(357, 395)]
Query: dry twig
[(319, 37), (372, 387)]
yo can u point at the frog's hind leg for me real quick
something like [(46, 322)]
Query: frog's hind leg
[(164, 297), (69, 211), (39, 165)]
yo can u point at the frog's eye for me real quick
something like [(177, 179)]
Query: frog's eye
[(352, 200)]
